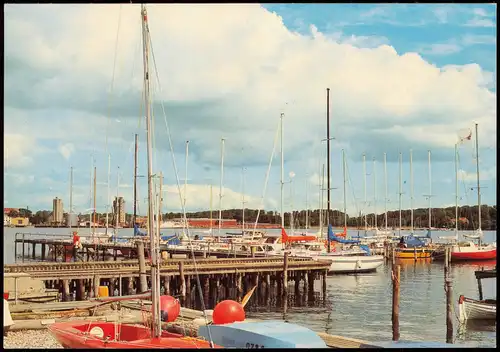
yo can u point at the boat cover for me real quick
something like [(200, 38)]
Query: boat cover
[(262, 334), (332, 237)]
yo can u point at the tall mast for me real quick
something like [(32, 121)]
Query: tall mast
[(411, 191), (221, 180), (400, 190), (364, 187), (456, 191), (71, 199), (186, 174), (374, 194), (135, 181), (109, 193), (154, 289), (211, 198), (243, 199), (385, 201), (91, 193), (478, 188), (117, 204), (95, 198), (282, 173), (430, 189), (328, 161), (307, 207), (345, 189)]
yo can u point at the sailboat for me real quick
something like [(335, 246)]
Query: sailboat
[(412, 247), (88, 334), (469, 250)]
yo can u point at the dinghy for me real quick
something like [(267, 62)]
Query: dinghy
[(472, 309)]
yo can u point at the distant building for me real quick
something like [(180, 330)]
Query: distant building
[(57, 211), (119, 210), (6, 220), (20, 222)]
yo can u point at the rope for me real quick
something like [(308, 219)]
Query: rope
[(266, 179), (198, 283)]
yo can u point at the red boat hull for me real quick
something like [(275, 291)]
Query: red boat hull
[(116, 335), (479, 255)]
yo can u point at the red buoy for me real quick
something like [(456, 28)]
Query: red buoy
[(170, 308), (227, 312)]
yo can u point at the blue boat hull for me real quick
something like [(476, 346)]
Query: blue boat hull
[(262, 334)]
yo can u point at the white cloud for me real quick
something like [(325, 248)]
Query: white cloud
[(18, 150), (66, 150), (471, 176), (441, 49), (473, 39), (480, 22), (480, 12)]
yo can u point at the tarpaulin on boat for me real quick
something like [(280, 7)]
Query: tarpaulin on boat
[(171, 239), (332, 237), (138, 232)]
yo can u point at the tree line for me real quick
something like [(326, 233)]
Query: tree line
[(441, 217)]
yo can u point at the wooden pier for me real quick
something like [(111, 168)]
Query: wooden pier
[(229, 278), (60, 248)]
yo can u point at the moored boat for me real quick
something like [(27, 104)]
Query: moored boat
[(472, 309)]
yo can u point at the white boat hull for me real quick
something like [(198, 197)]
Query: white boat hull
[(471, 309), (353, 263)]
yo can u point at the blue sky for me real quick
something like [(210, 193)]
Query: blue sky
[(402, 77)]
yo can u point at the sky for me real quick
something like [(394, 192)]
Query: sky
[(401, 76)]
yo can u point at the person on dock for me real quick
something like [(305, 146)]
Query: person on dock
[(7, 318)]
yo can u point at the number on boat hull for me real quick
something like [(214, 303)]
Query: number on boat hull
[(253, 345)]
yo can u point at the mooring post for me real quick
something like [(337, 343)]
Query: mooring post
[(182, 287), (415, 253), (480, 289), (97, 283), (43, 251), (15, 249), (23, 248), (142, 266), (239, 286), (33, 250), (449, 317), (188, 286), (393, 256), (285, 275), (80, 289), (446, 263), (396, 275), (65, 293)]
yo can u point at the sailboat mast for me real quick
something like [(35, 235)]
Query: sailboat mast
[(307, 207), (374, 194), (282, 173), (154, 289), (478, 188), (321, 188), (411, 191), (117, 213), (430, 188), (364, 187), (221, 180), (345, 189), (186, 174), (109, 193), (242, 199), (135, 181), (211, 197), (71, 199), (456, 191), (328, 162), (385, 183), (95, 198), (400, 190)]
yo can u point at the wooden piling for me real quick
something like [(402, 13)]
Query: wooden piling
[(449, 307), (142, 266), (323, 279), (43, 250), (446, 262), (239, 286), (97, 283), (285, 275), (80, 290), (33, 251), (182, 286), (415, 253), (396, 275), (65, 293), (393, 256), (111, 287)]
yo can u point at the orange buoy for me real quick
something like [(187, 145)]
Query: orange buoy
[(227, 312), (170, 308)]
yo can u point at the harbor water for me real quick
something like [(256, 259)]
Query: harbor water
[(359, 306)]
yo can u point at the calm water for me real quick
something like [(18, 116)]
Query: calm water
[(359, 306)]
